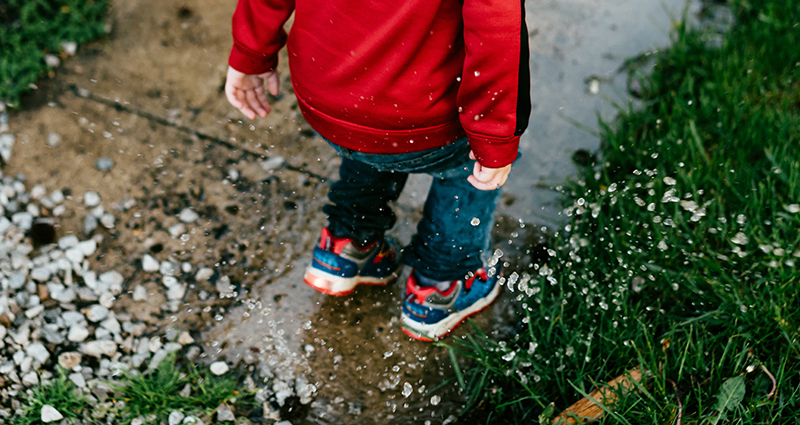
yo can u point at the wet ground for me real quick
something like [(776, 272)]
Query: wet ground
[(149, 97)]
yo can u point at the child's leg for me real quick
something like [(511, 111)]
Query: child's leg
[(360, 198), (453, 236)]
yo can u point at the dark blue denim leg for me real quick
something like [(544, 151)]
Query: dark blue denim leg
[(453, 236), (360, 198)]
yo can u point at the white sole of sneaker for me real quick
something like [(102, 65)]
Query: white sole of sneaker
[(336, 285), (439, 330)]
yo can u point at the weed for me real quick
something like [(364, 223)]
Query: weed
[(60, 393), (29, 29), (681, 249)]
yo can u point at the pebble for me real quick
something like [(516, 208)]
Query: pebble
[(87, 247), (96, 313), (89, 224), (53, 139), (77, 333), (91, 199), (104, 163), (77, 379), (112, 325), (139, 293), (6, 146), (50, 414), (108, 221), (52, 60), (99, 348), (203, 274), (30, 379), (23, 220), (224, 414), (38, 352), (185, 338), (169, 281), (176, 417), (41, 274), (188, 215), (176, 292), (218, 368), (69, 47), (149, 264), (70, 359), (177, 229)]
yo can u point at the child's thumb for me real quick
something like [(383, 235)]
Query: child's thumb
[(273, 83)]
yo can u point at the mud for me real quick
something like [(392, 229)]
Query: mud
[(150, 97)]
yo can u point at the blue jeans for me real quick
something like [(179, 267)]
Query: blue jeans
[(453, 236)]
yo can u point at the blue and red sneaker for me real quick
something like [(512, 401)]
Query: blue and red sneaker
[(339, 265), (430, 314)]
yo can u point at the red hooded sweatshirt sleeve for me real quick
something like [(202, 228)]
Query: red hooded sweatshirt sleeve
[(389, 77)]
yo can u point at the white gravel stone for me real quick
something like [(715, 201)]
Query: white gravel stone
[(99, 348), (57, 197), (91, 199), (6, 146), (176, 292), (108, 221), (4, 224), (96, 313), (71, 318), (185, 338), (74, 254), (77, 379), (34, 311), (89, 224), (113, 280), (30, 379), (150, 264), (177, 229), (224, 414), (176, 417), (70, 359), (50, 414), (169, 281), (188, 215), (112, 325), (69, 47), (23, 220), (52, 60), (218, 368), (65, 296), (87, 247), (139, 293), (186, 268), (77, 333), (41, 274), (167, 268), (67, 241), (38, 352), (38, 191)]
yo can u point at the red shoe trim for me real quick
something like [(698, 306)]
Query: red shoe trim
[(335, 244), (321, 285)]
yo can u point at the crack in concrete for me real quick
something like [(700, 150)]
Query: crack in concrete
[(86, 94)]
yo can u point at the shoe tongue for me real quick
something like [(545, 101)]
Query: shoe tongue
[(441, 285)]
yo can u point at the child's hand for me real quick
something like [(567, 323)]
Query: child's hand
[(485, 178), (246, 92)]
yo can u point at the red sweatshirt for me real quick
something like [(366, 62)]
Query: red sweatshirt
[(382, 76)]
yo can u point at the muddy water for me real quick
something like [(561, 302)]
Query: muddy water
[(351, 347)]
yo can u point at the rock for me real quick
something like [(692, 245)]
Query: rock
[(68, 241), (134, 329), (157, 358), (50, 414), (34, 311), (66, 295), (112, 325), (150, 264), (186, 268), (52, 60), (69, 47), (167, 268), (172, 347), (224, 414), (78, 379), (224, 287), (104, 163), (99, 348), (74, 254), (176, 417), (176, 230), (139, 293), (90, 279), (91, 199), (193, 353), (16, 280), (57, 197), (51, 334), (38, 352), (72, 318), (272, 163), (154, 344), (186, 391), (89, 224), (96, 313), (203, 274), (69, 359), (113, 281), (218, 368), (30, 379), (185, 338), (138, 421), (41, 274), (191, 420), (188, 215), (53, 139), (176, 292), (77, 333), (6, 145), (169, 281), (108, 221)]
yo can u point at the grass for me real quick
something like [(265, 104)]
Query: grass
[(152, 395), (30, 29), (61, 394), (681, 250)]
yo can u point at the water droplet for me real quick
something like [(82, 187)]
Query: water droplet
[(407, 389), (475, 221), (509, 356), (477, 73)]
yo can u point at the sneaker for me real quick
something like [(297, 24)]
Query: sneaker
[(429, 313), (339, 265)]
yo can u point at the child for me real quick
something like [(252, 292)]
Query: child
[(418, 86)]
